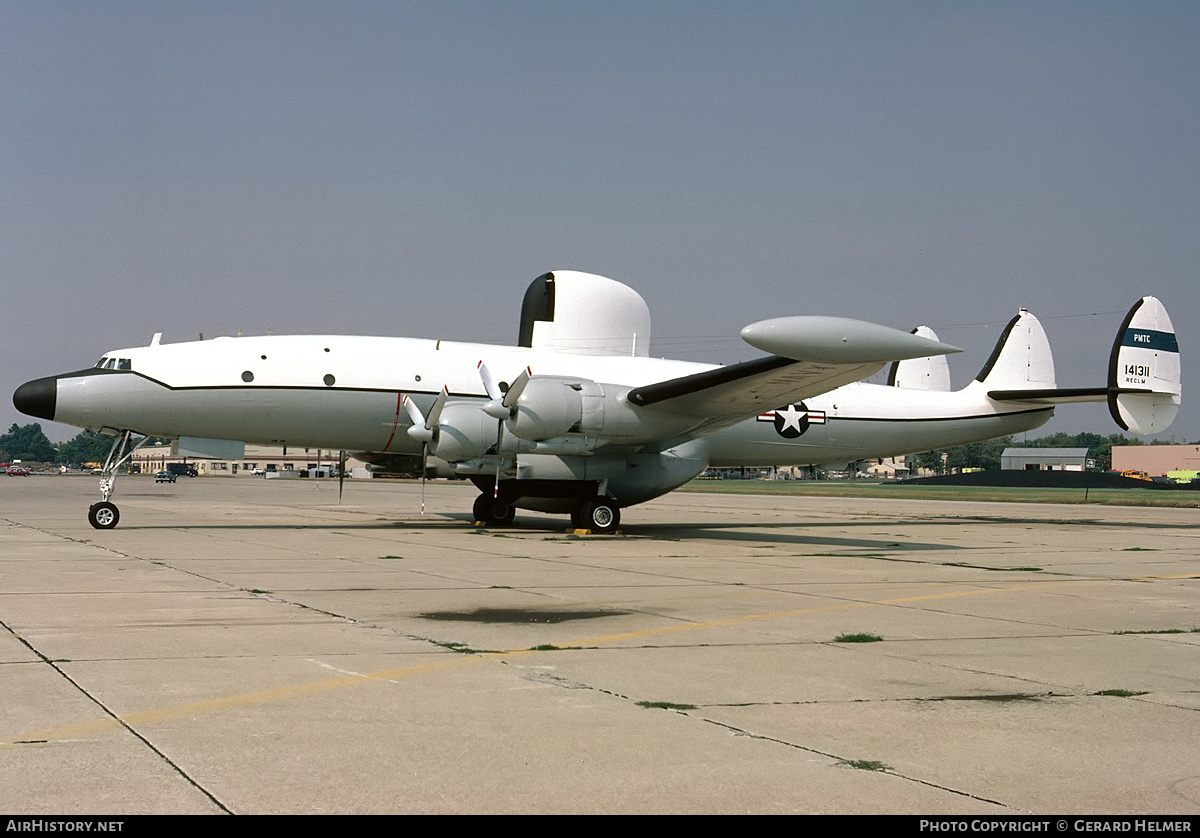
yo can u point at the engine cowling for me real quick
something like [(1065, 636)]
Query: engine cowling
[(549, 407), (464, 432), (552, 407)]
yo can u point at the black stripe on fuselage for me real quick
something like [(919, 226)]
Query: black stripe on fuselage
[(1002, 415), (318, 388)]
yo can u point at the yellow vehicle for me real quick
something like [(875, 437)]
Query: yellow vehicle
[(1136, 475)]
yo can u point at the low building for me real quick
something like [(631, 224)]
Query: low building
[(258, 459), (1156, 459), (1044, 459), (888, 469)]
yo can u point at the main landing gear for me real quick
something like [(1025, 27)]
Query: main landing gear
[(599, 514), (493, 511), (105, 515)]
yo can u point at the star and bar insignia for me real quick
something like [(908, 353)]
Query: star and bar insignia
[(793, 420)]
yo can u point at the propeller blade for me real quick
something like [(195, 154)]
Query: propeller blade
[(516, 388), (422, 429), (414, 412), (341, 473), (489, 382), (424, 467), (417, 430), (499, 458), (495, 405), (435, 412)]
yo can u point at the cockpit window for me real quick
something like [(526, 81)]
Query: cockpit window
[(107, 363)]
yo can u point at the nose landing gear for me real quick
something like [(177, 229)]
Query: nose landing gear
[(105, 515)]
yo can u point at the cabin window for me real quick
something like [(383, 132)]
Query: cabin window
[(112, 364), (101, 362), (124, 364)]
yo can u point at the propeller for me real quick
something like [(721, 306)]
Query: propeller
[(500, 406), (422, 429), (341, 472)]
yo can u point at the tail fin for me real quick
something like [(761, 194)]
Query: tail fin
[(932, 373), (1143, 391), (1143, 371), (1021, 359)]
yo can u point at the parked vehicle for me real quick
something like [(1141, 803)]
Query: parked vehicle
[(182, 469), (164, 477), (18, 471)]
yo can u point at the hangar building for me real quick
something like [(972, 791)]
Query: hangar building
[(1044, 459)]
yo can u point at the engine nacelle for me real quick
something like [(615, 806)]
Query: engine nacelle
[(551, 408), (555, 416), (464, 432)]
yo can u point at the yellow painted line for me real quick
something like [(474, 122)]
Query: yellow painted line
[(301, 690), (633, 635), (262, 697)]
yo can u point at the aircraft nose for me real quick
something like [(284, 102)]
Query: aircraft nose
[(37, 398)]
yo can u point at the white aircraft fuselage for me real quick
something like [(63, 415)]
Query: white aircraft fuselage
[(199, 389), (584, 420)]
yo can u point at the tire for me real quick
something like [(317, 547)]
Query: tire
[(578, 519), (103, 515), (493, 511), (601, 516)]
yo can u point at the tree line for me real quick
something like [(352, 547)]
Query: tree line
[(29, 443)]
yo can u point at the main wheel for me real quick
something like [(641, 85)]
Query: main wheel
[(600, 515), (493, 511), (578, 519), (103, 515)]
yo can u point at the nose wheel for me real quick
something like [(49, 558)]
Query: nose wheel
[(103, 515)]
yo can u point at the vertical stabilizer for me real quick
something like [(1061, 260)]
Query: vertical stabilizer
[(1021, 359), (1143, 372), (932, 373)]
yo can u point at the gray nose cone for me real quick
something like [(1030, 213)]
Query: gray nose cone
[(37, 397)]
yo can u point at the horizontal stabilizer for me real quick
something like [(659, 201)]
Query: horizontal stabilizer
[(1051, 396)]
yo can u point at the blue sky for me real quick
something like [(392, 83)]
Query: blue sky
[(407, 168)]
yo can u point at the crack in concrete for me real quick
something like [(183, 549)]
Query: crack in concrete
[(115, 718)]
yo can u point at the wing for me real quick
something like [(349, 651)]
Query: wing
[(812, 355)]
